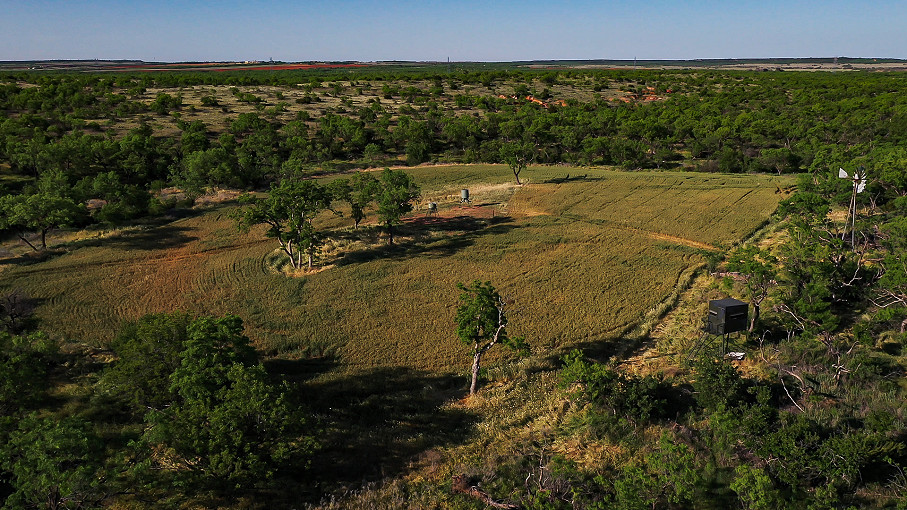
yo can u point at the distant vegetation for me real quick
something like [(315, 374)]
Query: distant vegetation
[(153, 354)]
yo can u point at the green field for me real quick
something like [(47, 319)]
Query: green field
[(583, 260)]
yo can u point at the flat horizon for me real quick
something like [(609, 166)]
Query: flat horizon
[(464, 31)]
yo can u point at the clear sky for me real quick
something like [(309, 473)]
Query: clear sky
[(489, 30)]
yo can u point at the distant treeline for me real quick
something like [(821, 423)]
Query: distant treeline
[(702, 120)]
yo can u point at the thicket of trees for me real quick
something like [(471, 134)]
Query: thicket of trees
[(209, 416), (290, 208), (731, 122), (711, 121)]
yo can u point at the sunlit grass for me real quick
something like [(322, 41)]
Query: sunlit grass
[(581, 259)]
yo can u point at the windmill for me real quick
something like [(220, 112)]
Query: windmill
[(859, 184)]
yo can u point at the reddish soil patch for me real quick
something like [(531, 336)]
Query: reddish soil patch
[(227, 66), (471, 211), (287, 67)]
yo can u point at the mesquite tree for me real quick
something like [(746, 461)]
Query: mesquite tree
[(359, 191), (517, 155), (289, 210), (396, 192), (757, 268), (482, 323)]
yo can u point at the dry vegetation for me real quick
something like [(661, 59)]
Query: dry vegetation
[(582, 260), (589, 262), (283, 104)]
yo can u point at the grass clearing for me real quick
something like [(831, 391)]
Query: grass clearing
[(582, 260)]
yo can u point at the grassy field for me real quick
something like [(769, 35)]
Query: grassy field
[(368, 340), (582, 259)]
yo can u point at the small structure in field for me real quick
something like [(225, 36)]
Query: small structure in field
[(464, 196), (727, 316)]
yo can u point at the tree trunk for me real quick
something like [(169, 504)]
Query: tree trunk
[(755, 317), (475, 372), (390, 234), (43, 238), (30, 245), (288, 249)]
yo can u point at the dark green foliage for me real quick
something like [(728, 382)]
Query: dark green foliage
[(24, 362), (50, 206), (228, 426), (288, 211), (641, 399), (148, 352), (755, 489), (823, 276), (52, 463), (670, 475), (164, 103), (396, 192), (805, 455), (359, 191), (210, 167), (123, 201), (718, 384)]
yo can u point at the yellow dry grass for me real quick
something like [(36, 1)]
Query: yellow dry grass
[(582, 262)]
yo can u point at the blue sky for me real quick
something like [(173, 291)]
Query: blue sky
[(435, 30)]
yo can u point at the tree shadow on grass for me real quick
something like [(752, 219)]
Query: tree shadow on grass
[(420, 238), (299, 371), (604, 350), (157, 238), (572, 178), (30, 257), (376, 422)]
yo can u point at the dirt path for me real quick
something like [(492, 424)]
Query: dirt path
[(679, 240)]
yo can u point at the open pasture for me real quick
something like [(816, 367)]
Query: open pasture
[(582, 259)]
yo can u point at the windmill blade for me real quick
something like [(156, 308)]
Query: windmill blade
[(861, 185), (842, 174)]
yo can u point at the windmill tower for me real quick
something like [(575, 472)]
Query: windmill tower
[(859, 184)]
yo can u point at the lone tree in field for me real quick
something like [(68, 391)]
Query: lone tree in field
[(395, 195), (289, 210), (482, 323), (517, 155)]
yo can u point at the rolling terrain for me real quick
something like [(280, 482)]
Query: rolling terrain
[(582, 258)]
